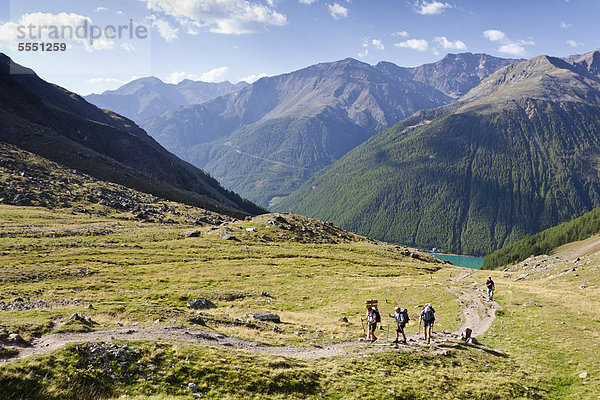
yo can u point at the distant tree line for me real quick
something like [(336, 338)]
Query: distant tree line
[(544, 242)]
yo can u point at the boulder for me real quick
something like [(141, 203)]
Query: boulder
[(194, 233), (267, 317), (226, 236), (198, 320), (16, 338), (201, 304)]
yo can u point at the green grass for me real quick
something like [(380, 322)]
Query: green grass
[(137, 273)]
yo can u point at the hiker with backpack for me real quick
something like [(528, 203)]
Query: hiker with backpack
[(489, 284), (372, 317), (401, 317), (427, 318)]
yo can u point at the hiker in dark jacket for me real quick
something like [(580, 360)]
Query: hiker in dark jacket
[(401, 317), (489, 284), (427, 318), (372, 320)]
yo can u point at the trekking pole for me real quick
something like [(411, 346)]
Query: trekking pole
[(363, 326)]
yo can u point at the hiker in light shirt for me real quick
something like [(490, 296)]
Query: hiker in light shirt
[(401, 317)]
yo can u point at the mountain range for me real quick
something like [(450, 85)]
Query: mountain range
[(515, 155), (268, 138), (59, 125), (147, 97)]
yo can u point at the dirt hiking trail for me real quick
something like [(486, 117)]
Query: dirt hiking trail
[(478, 314)]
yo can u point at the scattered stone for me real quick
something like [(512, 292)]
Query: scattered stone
[(192, 386), (265, 238), (583, 375), (522, 276), (582, 286), (226, 236), (343, 320), (472, 340), (250, 229), (201, 304), (198, 320), (81, 318), (194, 233), (158, 321), (265, 294), (16, 338), (267, 317)]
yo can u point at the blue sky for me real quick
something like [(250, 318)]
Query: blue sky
[(216, 40)]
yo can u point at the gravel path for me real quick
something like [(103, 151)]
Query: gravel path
[(478, 315)]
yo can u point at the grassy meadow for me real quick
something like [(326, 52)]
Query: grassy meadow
[(127, 274)]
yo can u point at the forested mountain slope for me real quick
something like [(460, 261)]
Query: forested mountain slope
[(516, 155)]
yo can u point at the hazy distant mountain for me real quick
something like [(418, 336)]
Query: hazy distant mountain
[(517, 154), (50, 121), (146, 97), (268, 138)]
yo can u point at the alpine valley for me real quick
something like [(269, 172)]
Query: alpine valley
[(515, 155), (265, 140)]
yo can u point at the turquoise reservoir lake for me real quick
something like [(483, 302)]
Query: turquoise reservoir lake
[(461, 261)]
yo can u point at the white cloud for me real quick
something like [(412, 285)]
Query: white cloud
[(47, 26), (307, 2), (573, 43), (415, 44), (214, 75), (564, 25), (507, 45), (253, 78), (113, 81), (220, 16), (400, 33), (168, 32), (514, 49), (495, 35), (103, 80), (367, 43), (337, 11), (431, 8), (177, 76), (128, 47), (378, 44), (101, 9), (447, 44), (119, 12)]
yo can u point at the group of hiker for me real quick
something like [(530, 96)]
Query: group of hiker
[(426, 317)]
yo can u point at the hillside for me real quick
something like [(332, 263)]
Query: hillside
[(546, 242), (514, 156), (265, 140), (108, 299), (147, 97), (61, 126)]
